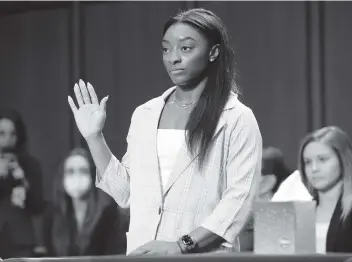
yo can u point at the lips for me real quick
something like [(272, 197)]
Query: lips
[(317, 178), (176, 71)]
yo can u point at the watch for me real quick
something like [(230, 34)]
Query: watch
[(187, 244)]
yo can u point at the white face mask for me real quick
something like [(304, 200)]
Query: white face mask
[(76, 186), (77, 180)]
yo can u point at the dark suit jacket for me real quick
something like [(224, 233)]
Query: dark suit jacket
[(339, 237)]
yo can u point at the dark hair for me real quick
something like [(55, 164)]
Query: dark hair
[(203, 120), (273, 163), (63, 208), (59, 195), (15, 117)]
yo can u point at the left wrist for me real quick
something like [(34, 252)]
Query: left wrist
[(187, 244)]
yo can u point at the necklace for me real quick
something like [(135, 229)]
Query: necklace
[(180, 104)]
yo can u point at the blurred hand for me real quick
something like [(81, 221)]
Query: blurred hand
[(157, 247), (4, 168), (90, 116), (18, 173), (18, 196)]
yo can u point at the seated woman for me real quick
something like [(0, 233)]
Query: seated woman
[(325, 175), (325, 165), (21, 195), (82, 220)]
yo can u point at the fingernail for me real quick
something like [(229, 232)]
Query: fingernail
[(107, 97)]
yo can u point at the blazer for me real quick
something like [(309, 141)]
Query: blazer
[(339, 232), (218, 198)]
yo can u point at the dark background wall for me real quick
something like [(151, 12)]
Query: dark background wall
[(293, 62)]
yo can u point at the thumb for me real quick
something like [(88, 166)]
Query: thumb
[(103, 103)]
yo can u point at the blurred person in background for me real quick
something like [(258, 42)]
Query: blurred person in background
[(274, 171), (325, 175), (21, 194), (81, 220), (325, 166)]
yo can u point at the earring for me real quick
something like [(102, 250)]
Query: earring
[(211, 59)]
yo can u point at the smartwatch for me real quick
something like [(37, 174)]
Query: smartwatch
[(187, 244)]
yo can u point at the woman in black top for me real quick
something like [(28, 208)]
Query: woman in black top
[(325, 165), (21, 193)]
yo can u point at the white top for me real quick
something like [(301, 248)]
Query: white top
[(321, 231), (169, 143)]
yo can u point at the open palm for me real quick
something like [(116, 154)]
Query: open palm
[(90, 116)]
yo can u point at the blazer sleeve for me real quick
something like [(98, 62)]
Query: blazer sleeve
[(115, 181), (243, 171)]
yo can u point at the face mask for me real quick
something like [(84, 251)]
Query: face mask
[(77, 186)]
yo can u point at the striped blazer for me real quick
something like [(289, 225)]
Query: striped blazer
[(218, 198)]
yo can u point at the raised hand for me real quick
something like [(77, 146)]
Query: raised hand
[(90, 116), (18, 196)]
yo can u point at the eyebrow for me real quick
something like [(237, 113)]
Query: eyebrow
[(318, 155), (181, 39)]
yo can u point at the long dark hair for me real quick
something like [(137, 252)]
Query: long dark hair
[(62, 204), (204, 117), (15, 117)]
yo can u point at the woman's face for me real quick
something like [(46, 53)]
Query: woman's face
[(77, 177), (8, 136), (185, 53), (321, 165)]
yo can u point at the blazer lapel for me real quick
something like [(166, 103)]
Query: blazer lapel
[(150, 132), (334, 227), (150, 126), (184, 159)]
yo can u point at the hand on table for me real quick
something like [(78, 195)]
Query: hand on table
[(157, 247)]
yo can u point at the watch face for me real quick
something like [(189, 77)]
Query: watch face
[(187, 240)]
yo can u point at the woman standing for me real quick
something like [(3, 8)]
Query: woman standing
[(193, 158)]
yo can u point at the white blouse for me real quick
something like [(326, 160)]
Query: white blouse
[(169, 142), (321, 231)]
